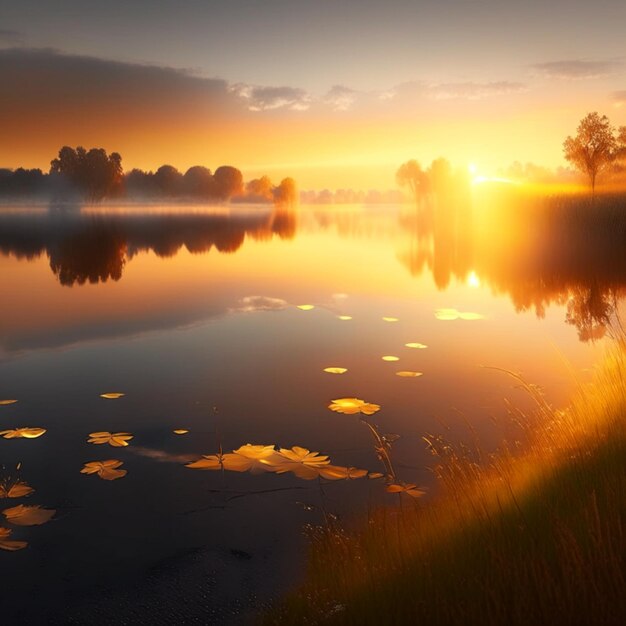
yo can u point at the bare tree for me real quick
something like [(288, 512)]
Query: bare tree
[(594, 148)]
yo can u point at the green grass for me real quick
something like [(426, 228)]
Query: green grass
[(531, 536)]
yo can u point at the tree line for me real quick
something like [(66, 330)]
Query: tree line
[(598, 148), (439, 182), (93, 175)]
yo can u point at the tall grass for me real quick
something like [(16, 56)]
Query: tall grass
[(533, 534)]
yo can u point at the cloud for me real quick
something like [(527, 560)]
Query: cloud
[(10, 37), (417, 91), (51, 75), (473, 91), (60, 96), (259, 98), (576, 69), (341, 98)]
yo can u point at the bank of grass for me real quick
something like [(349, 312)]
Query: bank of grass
[(535, 534)]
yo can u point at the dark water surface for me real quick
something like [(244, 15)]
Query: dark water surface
[(193, 314)]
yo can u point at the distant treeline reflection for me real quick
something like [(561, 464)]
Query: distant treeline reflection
[(84, 247), (566, 250)]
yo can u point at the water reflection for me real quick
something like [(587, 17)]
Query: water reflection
[(537, 251), (95, 247)]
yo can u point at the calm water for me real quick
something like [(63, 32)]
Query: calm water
[(193, 314)]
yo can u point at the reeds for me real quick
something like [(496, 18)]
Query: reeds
[(533, 534)]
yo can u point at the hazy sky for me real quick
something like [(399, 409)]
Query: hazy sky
[(318, 88)]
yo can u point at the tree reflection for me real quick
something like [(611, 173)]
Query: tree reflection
[(539, 251), (590, 310), (93, 255), (83, 247)]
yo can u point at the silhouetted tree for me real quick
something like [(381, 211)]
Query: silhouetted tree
[(168, 180), (95, 174), (198, 182), (22, 182), (260, 190), (228, 182), (594, 148), (411, 175), (137, 182), (286, 194)]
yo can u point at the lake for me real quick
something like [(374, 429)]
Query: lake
[(221, 321)]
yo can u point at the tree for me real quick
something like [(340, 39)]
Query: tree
[(286, 194), (198, 182), (411, 175), (594, 148), (260, 189), (228, 182), (93, 173), (169, 180)]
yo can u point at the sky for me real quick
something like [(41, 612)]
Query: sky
[(336, 93)]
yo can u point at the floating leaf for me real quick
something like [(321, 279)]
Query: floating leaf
[(335, 370), (25, 433), (334, 472), (258, 457), (390, 358), (471, 316), (446, 314), (408, 488), (107, 470), (306, 307), (390, 319), (351, 406), (375, 475), (180, 431), (18, 489), (117, 440), (344, 318), (228, 461), (265, 458), (23, 515), (300, 461), (408, 374), (419, 346), (11, 546), (113, 395), (6, 402), (207, 462)]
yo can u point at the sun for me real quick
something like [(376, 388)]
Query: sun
[(473, 280)]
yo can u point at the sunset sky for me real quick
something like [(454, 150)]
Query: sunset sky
[(336, 93)]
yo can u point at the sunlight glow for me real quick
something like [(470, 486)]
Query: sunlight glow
[(479, 180), (473, 280)]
